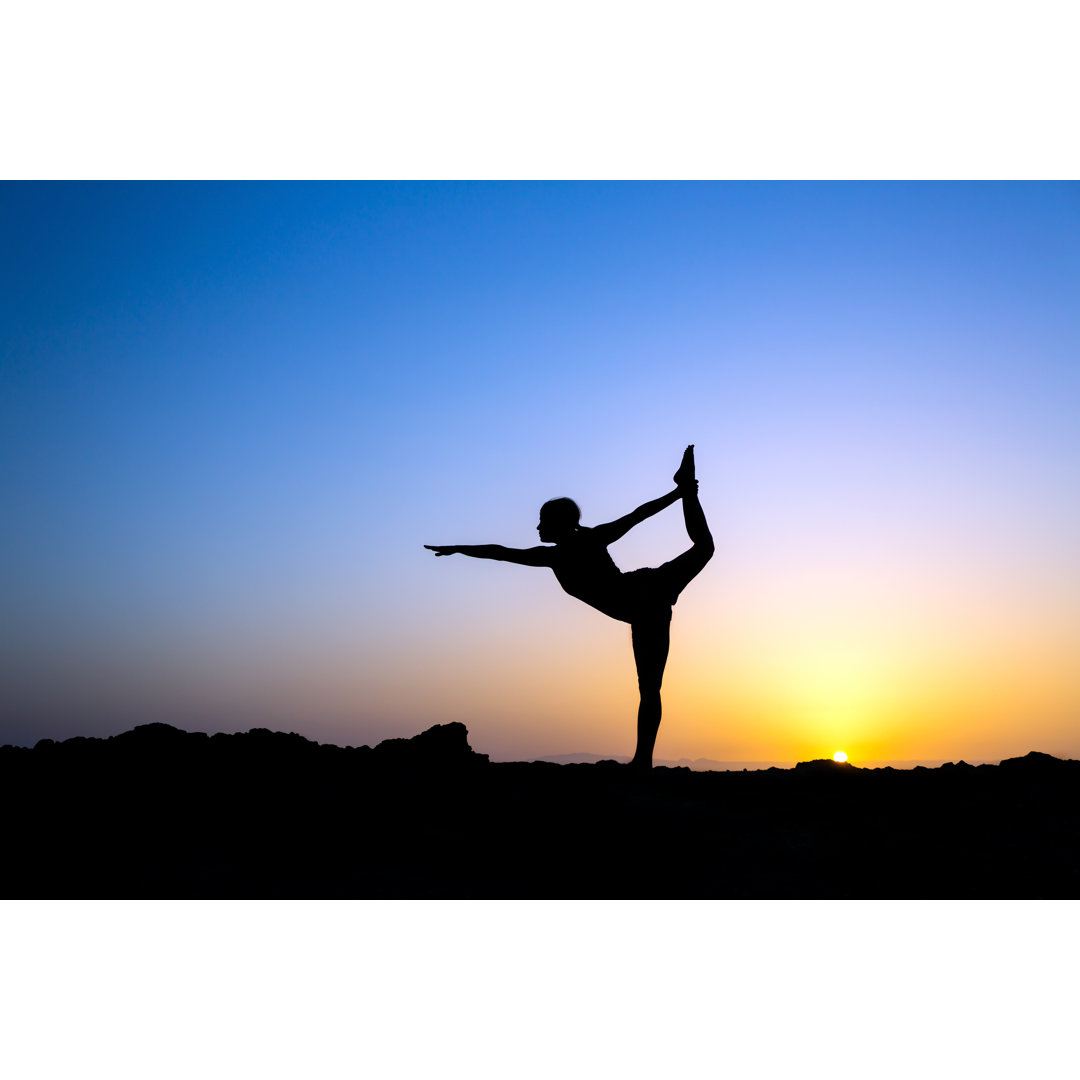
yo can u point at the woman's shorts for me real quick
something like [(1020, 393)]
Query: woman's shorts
[(650, 593)]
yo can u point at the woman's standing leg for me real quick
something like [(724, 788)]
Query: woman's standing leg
[(651, 639)]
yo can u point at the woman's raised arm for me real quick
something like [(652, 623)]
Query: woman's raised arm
[(611, 532)]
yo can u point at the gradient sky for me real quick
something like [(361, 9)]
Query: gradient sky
[(232, 414)]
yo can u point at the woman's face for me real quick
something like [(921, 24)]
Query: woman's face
[(551, 532)]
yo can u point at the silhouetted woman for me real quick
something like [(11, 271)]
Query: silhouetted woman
[(642, 598)]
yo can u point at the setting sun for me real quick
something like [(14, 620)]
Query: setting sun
[(839, 756)]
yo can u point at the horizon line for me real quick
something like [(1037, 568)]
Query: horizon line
[(703, 764)]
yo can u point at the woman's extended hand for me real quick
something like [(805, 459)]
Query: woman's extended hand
[(443, 549)]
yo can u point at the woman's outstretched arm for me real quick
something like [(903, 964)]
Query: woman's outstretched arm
[(611, 532), (535, 556)]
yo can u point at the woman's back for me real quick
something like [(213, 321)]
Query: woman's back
[(586, 571)]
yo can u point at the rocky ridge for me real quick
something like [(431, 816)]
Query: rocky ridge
[(161, 812)]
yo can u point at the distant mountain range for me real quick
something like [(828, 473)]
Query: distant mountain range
[(710, 765)]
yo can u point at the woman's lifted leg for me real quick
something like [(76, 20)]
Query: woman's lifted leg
[(683, 569)]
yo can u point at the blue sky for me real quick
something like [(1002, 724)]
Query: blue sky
[(232, 414)]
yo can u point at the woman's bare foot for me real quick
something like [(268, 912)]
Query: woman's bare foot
[(684, 476)]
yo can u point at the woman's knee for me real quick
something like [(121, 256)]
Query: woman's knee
[(702, 551)]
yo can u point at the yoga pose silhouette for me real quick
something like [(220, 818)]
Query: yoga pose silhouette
[(642, 598)]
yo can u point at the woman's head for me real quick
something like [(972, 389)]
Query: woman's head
[(558, 519)]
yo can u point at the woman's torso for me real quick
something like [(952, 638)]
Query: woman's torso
[(586, 571)]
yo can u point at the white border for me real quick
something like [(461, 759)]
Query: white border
[(585, 89)]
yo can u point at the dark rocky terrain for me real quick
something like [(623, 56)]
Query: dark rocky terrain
[(159, 812)]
